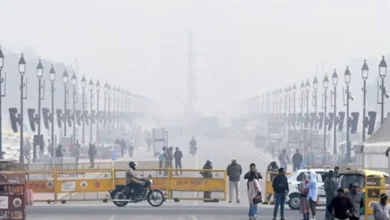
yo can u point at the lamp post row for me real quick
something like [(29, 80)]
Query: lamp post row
[(121, 98), (347, 97)]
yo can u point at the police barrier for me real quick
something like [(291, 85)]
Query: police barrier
[(372, 195), (86, 183)]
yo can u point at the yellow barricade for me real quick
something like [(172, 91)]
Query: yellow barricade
[(81, 182)]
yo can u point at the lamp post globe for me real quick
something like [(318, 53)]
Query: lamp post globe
[(325, 82), (90, 85), (65, 77), (365, 71), (307, 86), (22, 65), (335, 78), (315, 83), (52, 74), (294, 89), (302, 86), (39, 69), (83, 82), (382, 68), (98, 86), (347, 76), (1, 59), (74, 79)]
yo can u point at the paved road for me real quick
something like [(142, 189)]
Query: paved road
[(166, 212)]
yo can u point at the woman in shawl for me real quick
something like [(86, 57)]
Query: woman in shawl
[(305, 209), (312, 194), (253, 190)]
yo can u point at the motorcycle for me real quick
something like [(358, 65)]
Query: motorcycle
[(122, 195), (193, 150)]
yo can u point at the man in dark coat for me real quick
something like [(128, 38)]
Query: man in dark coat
[(234, 172)]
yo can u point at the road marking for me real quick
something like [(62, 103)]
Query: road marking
[(193, 217), (112, 217)]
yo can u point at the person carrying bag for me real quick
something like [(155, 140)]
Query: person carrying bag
[(254, 195)]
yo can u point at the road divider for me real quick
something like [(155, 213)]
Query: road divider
[(60, 184)]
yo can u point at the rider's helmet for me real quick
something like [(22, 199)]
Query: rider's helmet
[(132, 165)]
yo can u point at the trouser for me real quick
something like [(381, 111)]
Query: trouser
[(328, 215), (296, 167), (131, 151), (160, 165), (178, 166), (234, 185), (280, 199), (168, 164), (92, 160), (253, 210), (122, 151), (137, 188), (312, 205)]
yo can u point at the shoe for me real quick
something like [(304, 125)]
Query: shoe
[(238, 201)]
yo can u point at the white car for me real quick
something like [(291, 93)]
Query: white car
[(294, 179)]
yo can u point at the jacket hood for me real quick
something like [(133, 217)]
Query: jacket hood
[(313, 175)]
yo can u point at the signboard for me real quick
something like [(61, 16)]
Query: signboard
[(40, 186), (68, 186), (197, 184), (3, 202)]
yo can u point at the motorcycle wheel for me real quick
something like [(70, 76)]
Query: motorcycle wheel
[(120, 195), (155, 195)]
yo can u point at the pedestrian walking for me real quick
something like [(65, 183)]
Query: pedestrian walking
[(92, 152), (177, 156), (161, 159), (297, 160), (304, 208), (131, 146), (340, 206), (234, 172), (312, 194), (357, 200), (284, 159), (254, 194), (280, 187), (382, 208), (330, 188)]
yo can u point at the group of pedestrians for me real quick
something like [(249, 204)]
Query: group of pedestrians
[(123, 144), (166, 158)]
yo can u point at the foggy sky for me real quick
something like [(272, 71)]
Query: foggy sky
[(243, 47)]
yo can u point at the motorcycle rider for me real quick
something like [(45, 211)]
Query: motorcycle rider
[(130, 180), (193, 143)]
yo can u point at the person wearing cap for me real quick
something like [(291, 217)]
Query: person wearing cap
[(341, 206), (207, 174), (357, 200), (234, 172), (381, 209)]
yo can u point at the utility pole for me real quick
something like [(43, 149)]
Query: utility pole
[(191, 98)]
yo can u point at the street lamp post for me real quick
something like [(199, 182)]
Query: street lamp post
[(382, 74), (105, 87), (74, 85), (307, 85), (90, 108), (301, 121), (97, 109), (22, 71), (365, 72), (1, 102), (65, 80), (83, 84), (325, 84), (294, 91), (347, 79), (40, 98), (108, 115), (334, 81), (52, 76), (314, 101)]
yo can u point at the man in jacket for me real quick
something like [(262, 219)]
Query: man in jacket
[(297, 159), (357, 201), (234, 172), (207, 174), (280, 186), (340, 206), (330, 188)]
